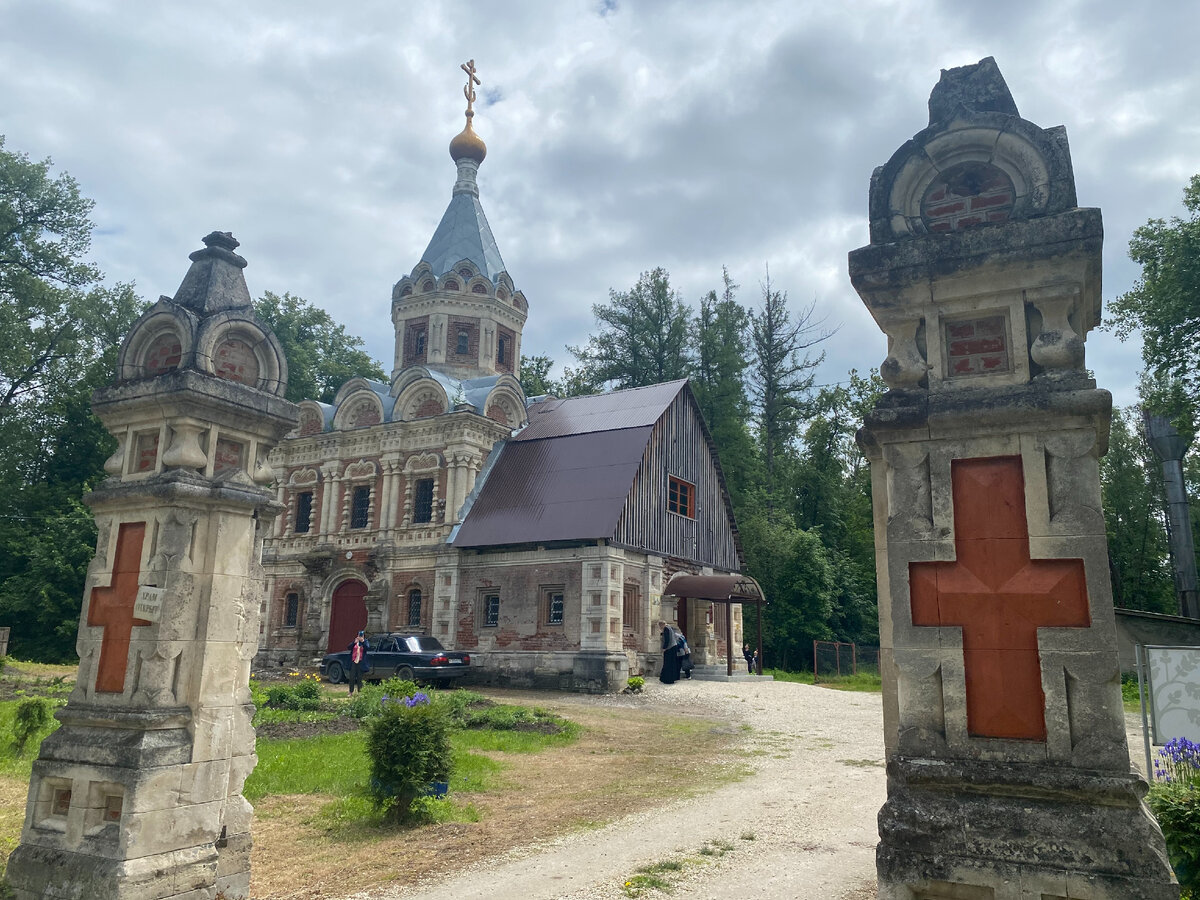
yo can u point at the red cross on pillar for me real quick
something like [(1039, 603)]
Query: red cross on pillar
[(112, 607), (999, 597)]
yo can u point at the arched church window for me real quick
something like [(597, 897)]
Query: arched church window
[(478, 289), (464, 343), (427, 286), (452, 285)]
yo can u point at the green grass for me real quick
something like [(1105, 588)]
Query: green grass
[(329, 764), (865, 680)]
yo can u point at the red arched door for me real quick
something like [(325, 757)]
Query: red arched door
[(347, 614)]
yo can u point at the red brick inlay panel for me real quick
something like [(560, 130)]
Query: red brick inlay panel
[(968, 195), (112, 608), (999, 597), (976, 346), (164, 354)]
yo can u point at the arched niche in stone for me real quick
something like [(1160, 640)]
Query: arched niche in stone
[(360, 409), (421, 399), (312, 419), (235, 346), (505, 403), (162, 340)]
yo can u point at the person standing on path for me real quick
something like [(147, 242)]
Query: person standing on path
[(670, 665), (358, 661), (749, 655)]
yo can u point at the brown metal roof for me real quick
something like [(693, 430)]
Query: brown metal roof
[(728, 588), (557, 489), (634, 408)]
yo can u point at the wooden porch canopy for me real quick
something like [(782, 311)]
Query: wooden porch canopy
[(727, 589)]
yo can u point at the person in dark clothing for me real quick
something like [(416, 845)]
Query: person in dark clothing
[(750, 655), (670, 666), (684, 652), (359, 665)]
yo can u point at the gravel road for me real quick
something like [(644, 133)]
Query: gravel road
[(802, 826)]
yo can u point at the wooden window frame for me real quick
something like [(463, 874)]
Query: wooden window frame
[(681, 497)]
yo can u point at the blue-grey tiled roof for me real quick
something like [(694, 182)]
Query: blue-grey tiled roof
[(464, 233)]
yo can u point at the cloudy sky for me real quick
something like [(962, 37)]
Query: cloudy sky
[(621, 136)]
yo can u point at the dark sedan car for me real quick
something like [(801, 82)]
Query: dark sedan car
[(415, 657)]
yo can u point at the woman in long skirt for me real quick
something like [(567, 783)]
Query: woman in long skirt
[(670, 666)]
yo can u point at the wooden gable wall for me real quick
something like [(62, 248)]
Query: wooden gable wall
[(679, 445)]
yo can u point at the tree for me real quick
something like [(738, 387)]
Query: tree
[(535, 376), (781, 377), (1130, 480), (321, 356), (718, 380), (642, 336), (1164, 304), (59, 333)]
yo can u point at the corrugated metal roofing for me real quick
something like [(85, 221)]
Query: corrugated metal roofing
[(560, 489), (714, 587), (634, 408)]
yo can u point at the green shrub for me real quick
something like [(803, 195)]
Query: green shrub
[(303, 694), (33, 715), (1177, 808), (369, 701), (635, 684), (409, 747), (258, 693)]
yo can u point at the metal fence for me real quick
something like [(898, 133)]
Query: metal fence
[(834, 659)]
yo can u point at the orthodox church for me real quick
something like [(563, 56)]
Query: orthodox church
[(539, 536)]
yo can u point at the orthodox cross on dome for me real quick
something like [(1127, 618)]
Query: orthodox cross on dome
[(999, 597), (469, 89), (112, 608)]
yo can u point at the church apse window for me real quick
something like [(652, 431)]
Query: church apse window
[(681, 497), (423, 500), (304, 512), (360, 507), (414, 608), (291, 610)]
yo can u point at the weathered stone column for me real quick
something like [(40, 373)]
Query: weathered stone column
[(1008, 770), (139, 794)]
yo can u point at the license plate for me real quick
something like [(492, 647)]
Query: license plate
[(456, 662)]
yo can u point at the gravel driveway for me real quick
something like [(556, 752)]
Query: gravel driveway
[(803, 826)]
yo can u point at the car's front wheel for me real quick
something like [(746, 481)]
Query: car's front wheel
[(335, 672), (405, 673)]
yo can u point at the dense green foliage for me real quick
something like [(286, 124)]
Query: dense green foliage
[(321, 355), (304, 694), (1164, 304), (59, 333), (1177, 808)]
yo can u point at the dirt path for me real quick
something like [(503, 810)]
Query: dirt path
[(802, 826)]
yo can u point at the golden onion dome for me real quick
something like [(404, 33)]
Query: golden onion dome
[(467, 145)]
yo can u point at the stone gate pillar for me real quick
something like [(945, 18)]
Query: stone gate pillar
[(1008, 770), (139, 793)]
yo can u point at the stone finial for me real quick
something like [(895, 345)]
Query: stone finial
[(978, 88), (215, 280)]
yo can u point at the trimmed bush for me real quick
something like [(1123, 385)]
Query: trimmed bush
[(33, 715), (409, 748)]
